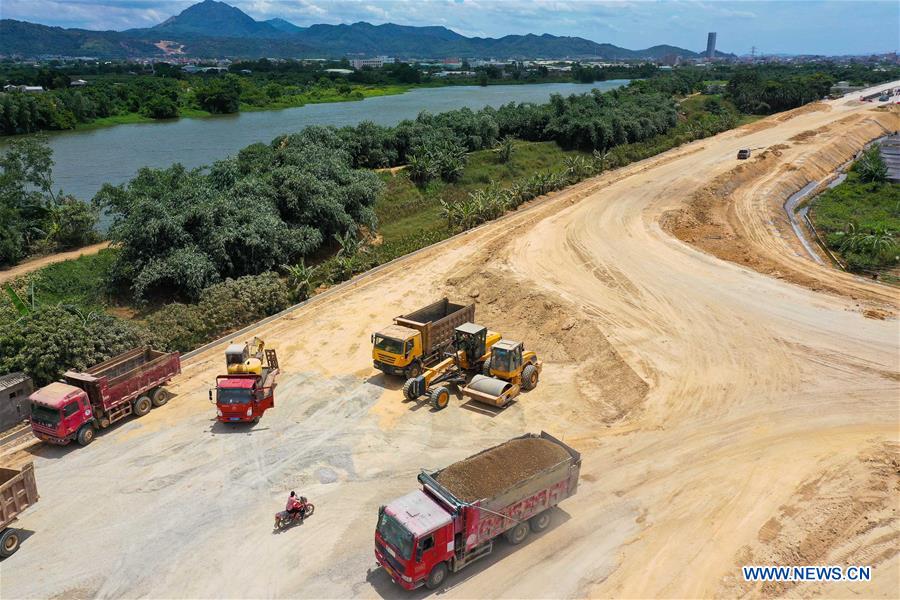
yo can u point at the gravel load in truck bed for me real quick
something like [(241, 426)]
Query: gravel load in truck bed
[(493, 471)]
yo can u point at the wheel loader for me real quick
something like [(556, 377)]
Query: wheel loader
[(246, 358), (510, 370), (472, 348)]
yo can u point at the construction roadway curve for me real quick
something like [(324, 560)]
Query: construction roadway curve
[(735, 403)]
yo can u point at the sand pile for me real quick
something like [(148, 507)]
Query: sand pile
[(490, 472)]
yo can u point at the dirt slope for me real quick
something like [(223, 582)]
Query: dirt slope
[(724, 415)]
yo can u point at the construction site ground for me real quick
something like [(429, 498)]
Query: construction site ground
[(735, 403)]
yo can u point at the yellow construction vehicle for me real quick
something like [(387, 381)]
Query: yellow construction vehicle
[(245, 358), (472, 348), (509, 371)]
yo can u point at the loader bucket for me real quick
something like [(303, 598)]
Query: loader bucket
[(488, 390)]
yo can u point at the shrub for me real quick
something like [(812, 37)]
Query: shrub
[(223, 307), (50, 340), (871, 166)]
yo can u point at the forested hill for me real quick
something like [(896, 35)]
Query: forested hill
[(214, 29)]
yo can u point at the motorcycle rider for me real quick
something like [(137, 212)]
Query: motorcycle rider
[(296, 506)]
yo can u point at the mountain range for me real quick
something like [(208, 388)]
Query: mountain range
[(213, 29)]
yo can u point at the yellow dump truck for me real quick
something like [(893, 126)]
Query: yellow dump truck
[(419, 339)]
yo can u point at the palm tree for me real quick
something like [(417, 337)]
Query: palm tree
[(420, 168), (871, 166), (504, 148), (300, 277), (348, 242), (601, 157)]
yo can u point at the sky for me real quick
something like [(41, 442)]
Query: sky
[(773, 27)]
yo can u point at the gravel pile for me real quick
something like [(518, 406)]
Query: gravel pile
[(489, 473)]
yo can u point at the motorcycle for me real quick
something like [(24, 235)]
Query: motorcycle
[(285, 519)]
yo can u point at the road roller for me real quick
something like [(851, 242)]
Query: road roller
[(510, 370)]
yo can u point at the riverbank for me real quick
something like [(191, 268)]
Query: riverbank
[(86, 159), (356, 94)]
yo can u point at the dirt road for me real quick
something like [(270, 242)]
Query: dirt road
[(36, 263), (727, 416)]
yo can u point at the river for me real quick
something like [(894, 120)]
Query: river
[(85, 160)]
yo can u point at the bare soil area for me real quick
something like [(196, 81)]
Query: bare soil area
[(724, 413)]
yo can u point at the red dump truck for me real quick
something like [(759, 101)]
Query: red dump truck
[(418, 339), (459, 512), (75, 408), (18, 491)]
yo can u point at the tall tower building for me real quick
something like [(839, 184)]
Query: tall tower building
[(711, 45)]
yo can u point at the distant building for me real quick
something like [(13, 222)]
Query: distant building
[(14, 405), (29, 89), (711, 45), (78, 83), (455, 74), (374, 63), (339, 71)]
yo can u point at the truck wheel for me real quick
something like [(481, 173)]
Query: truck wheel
[(540, 521), (437, 576), (9, 543), (440, 397), (413, 370), (517, 534), (407, 389), (86, 435), (486, 368), (160, 396), (529, 377), (142, 406)]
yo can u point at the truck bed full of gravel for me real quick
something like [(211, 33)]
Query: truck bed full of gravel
[(490, 472)]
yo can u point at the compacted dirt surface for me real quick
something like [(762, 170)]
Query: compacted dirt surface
[(734, 403)]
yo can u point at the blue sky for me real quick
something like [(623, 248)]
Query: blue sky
[(795, 27)]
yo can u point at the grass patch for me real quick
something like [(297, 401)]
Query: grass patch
[(862, 208), (80, 282), (407, 210)]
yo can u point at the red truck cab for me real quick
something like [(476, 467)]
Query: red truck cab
[(243, 398), (58, 411), (414, 534)]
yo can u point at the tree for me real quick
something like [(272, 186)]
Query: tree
[(504, 148), (871, 166), (300, 276), (220, 95), (160, 107), (32, 213), (46, 342)]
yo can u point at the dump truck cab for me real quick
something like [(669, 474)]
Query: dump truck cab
[(415, 534), (396, 350), (242, 397), (58, 411)]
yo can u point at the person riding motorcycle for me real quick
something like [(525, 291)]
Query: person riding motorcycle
[(296, 506)]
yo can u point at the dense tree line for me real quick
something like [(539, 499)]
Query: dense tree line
[(751, 92), (181, 231), (33, 217)]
